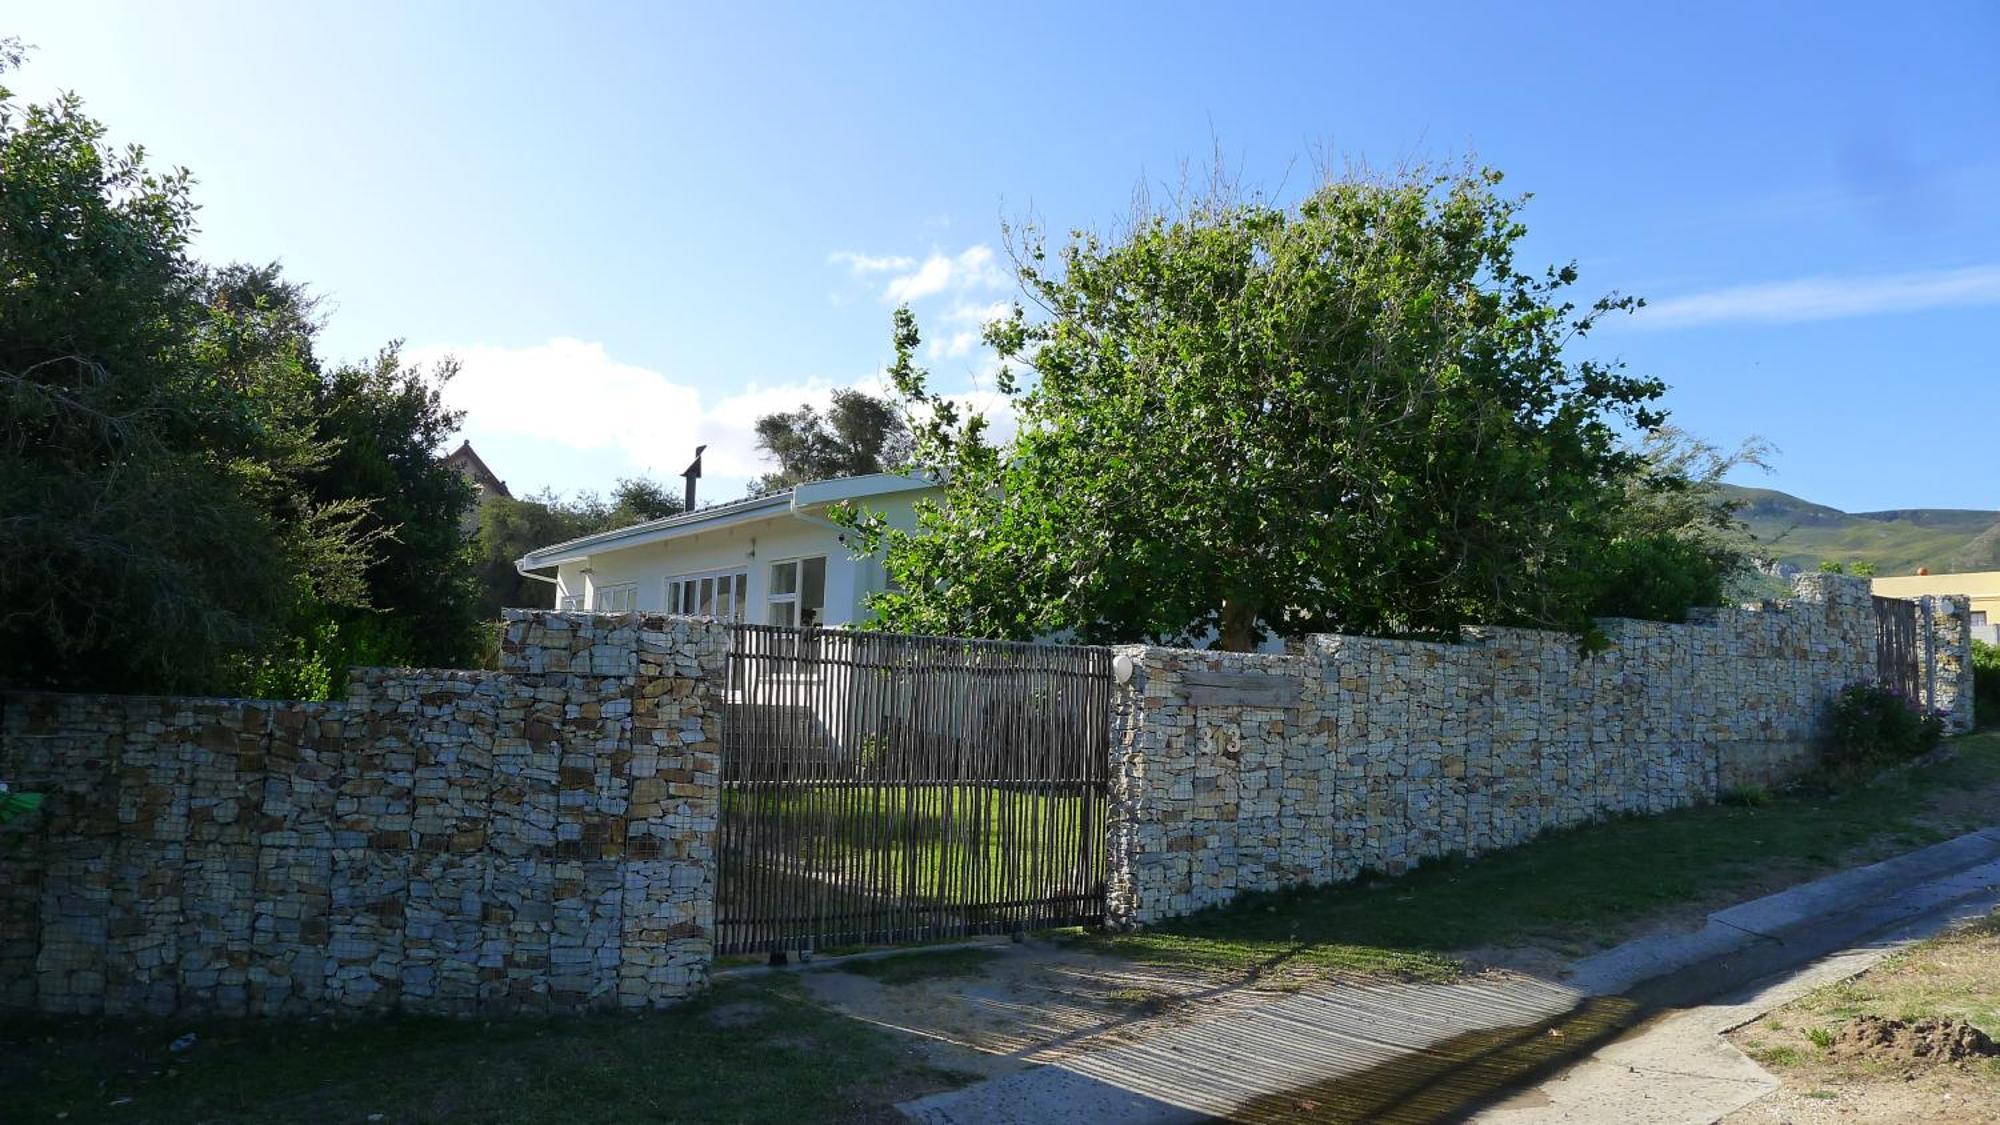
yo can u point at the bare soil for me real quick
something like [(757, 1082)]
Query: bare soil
[(1029, 1004), (1909, 1040)]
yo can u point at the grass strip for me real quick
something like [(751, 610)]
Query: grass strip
[(1582, 888)]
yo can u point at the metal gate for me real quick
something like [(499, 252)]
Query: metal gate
[(882, 788), (1896, 664)]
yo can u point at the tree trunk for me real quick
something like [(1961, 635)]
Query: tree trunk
[(1239, 625)]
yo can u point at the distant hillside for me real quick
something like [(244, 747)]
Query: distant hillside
[(1803, 534)]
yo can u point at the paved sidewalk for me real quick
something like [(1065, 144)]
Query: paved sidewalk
[(1416, 1052), (1679, 1068)]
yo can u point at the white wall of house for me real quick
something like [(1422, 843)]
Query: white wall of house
[(637, 577)]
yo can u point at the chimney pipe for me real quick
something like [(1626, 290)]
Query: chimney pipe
[(693, 474)]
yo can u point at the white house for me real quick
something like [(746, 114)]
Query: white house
[(769, 560)]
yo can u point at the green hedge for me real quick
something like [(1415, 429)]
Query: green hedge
[(1986, 683)]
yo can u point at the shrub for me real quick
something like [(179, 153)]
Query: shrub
[(1986, 682), (1748, 796), (14, 805), (1870, 721)]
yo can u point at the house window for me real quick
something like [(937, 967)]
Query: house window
[(622, 598), (570, 603), (1979, 617), (721, 594), (798, 592)]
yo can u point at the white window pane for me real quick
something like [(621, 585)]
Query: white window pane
[(812, 593), (781, 613), (737, 613), (707, 600), (784, 578)]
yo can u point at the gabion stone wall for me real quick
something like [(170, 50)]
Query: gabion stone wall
[(1944, 659), (535, 839), (1240, 772)]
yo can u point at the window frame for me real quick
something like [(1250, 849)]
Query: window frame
[(736, 578), (793, 598), (618, 591)]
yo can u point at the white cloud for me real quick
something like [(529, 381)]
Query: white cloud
[(973, 268), (966, 321), (859, 264), (574, 418), (1827, 298)]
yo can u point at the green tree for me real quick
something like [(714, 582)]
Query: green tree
[(857, 434), (385, 422), (377, 426), (632, 500), (140, 546), (1677, 542), (1354, 414), (509, 529), (190, 501)]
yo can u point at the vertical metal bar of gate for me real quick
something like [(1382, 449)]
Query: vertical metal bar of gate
[(882, 788), (1927, 609)]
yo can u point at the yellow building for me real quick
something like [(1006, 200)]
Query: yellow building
[(1982, 585)]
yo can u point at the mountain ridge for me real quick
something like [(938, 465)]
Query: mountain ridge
[(1801, 533)]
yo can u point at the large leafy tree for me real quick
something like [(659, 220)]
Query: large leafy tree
[(378, 425), (189, 500), (858, 433), (1359, 413), (385, 422), (140, 546)]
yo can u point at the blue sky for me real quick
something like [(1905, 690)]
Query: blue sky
[(640, 226)]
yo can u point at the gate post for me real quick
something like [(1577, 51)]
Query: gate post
[(667, 935), (1132, 811), (1947, 641)]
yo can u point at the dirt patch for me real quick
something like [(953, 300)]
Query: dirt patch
[(910, 968), (1923, 1040), (1909, 1040), (1029, 1004)]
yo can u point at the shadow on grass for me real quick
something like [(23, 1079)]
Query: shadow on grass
[(747, 1051)]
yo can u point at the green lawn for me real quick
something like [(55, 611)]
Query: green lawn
[(750, 1051), (945, 843), (1584, 888)]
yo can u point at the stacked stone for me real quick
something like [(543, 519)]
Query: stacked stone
[(1391, 753), (1944, 660), (537, 839)]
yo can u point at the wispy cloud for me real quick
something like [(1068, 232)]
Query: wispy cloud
[(973, 268), (965, 323), (1827, 298), (862, 264)]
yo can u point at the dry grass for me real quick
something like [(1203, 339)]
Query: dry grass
[(1954, 976)]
